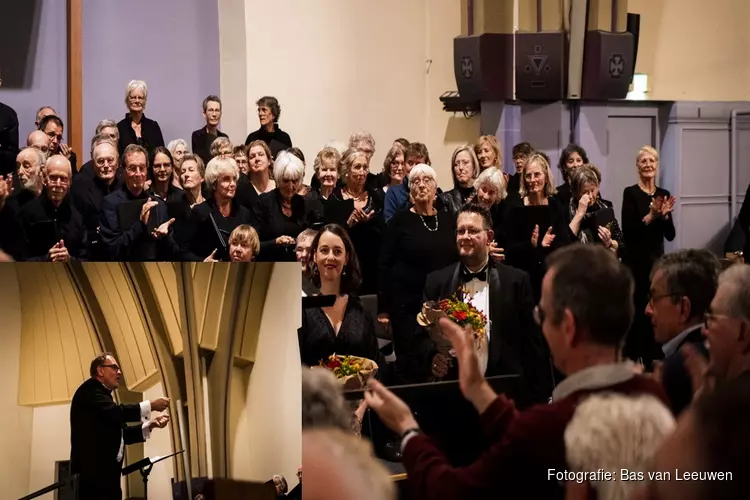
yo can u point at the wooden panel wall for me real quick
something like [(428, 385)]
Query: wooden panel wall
[(162, 279)]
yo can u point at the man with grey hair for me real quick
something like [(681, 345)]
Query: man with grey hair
[(105, 129), (614, 432), (43, 113), (303, 253), (683, 284), (16, 192)]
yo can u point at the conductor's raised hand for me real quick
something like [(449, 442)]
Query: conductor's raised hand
[(159, 422), (159, 404), (146, 210), (391, 409)]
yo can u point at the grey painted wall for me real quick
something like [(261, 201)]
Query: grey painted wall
[(173, 45), (35, 64)]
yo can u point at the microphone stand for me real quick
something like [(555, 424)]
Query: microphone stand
[(144, 467)]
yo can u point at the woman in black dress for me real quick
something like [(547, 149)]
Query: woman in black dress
[(135, 128), (646, 222), (465, 169), (491, 193), (417, 241), (572, 157), (282, 214)]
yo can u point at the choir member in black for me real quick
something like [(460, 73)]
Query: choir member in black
[(135, 128), (269, 132), (492, 195), (359, 210), (397, 197), (8, 137), (303, 252), (646, 223), (203, 138), (465, 169), (53, 128), (417, 241), (244, 244), (487, 150), (11, 235), (365, 142), (528, 244), (572, 157), (521, 153), (211, 223), (326, 171), (162, 173), (258, 180), (134, 225), (30, 175), (87, 193), (584, 204), (393, 166), (53, 228), (104, 129), (282, 214), (192, 176), (178, 148)]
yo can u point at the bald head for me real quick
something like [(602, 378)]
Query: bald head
[(38, 140), (59, 174)]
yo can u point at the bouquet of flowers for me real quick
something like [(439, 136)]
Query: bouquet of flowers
[(352, 371), (456, 309)]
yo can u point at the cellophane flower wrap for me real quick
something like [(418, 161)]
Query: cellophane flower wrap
[(459, 311), (352, 371)]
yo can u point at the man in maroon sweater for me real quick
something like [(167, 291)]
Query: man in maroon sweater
[(585, 311)]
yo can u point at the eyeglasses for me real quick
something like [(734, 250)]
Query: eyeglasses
[(652, 299), (114, 367), (472, 231), (709, 318), (539, 315)]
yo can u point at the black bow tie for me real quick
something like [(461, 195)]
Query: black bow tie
[(480, 275)]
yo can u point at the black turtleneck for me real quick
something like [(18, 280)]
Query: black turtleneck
[(44, 225), (277, 141)]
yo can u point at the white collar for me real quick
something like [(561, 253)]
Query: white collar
[(594, 377)]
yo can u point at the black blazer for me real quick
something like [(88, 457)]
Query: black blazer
[(97, 424), (209, 230), (8, 139), (201, 144), (516, 343), (675, 378), (150, 134), (44, 225)]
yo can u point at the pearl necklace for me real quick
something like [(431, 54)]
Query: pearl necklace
[(437, 223)]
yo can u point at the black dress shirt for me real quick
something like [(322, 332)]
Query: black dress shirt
[(8, 139), (151, 136), (44, 225), (201, 142), (277, 141), (87, 195)]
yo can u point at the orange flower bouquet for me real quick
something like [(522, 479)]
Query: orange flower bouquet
[(352, 371), (455, 308)]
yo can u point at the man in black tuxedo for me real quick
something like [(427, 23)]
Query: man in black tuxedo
[(98, 430), (683, 284), (513, 343)]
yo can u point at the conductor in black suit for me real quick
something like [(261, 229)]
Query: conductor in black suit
[(98, 430), (683, 284)]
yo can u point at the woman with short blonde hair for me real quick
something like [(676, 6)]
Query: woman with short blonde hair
[(326, 168), (244, 244), (465, 169), (135, 128), (488, 152)]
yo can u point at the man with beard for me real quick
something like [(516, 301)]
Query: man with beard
[(204, 137), (53, 229), (15, 192)]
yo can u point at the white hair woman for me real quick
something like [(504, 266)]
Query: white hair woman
[(135, 128), (211, 223), (178, 148), (491, 191), (281, 214), (465, 168), (417, 241), (326, 168)]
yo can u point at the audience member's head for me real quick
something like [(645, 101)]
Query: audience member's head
[(334, 261), (490, 187), (304, 247), (30, 169), (536, 177), (244, 244), (53, 128), (135, 165), (465, 166), (212, 111), (340, 466), (288, 171), (416, 153), (488, 152), (109, 128), (521, 152), (586, 306), (38, 140), (105, 369), (712, 437), (727, 327), (363, 141), (473, 235), (572, 157), (58, 177), (269, 111), (683, 283), (222, 148), (105, 157), (323, 404), (612, 432), (136, 96), (42, 113), (221, 176)]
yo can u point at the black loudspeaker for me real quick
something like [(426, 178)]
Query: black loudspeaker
[(634, 28), (541, 66), (483, 65), (608, 64)]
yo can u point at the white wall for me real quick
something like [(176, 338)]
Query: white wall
[(15, 421), (159, 444), (268, 441), (50, 443)]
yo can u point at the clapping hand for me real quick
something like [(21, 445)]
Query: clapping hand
[(146, 210), (496, 254), (58, 253), (358, 215), (6, 188), (546, 240), (162, 230), (393, 412), (667, 205)]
